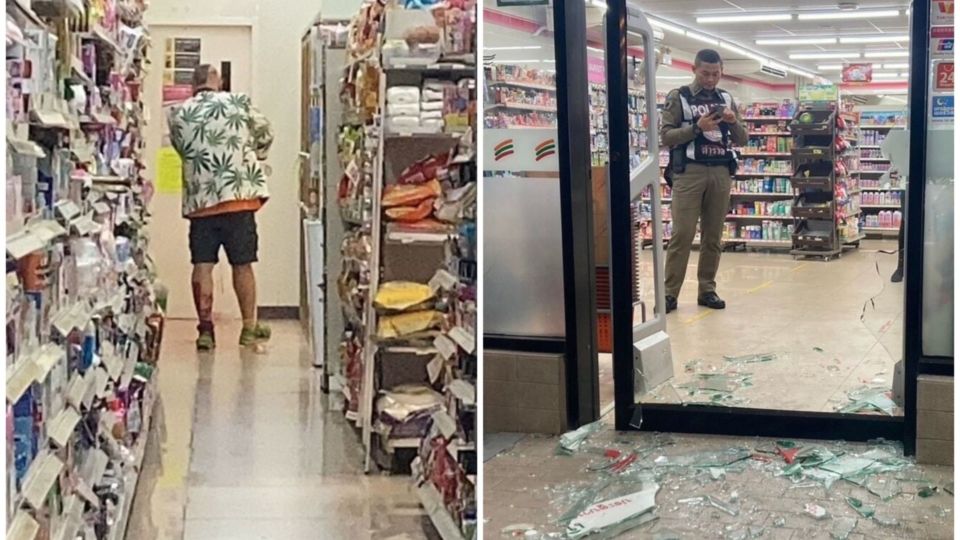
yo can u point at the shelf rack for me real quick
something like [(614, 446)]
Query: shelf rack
[(83, 340), (823, 204), (427, 243)]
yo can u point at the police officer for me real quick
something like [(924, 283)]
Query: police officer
[(701, 125)]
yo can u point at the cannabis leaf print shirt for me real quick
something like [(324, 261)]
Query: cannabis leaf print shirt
[(221, 139)]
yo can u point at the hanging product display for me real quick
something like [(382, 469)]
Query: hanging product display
[(84, 319)]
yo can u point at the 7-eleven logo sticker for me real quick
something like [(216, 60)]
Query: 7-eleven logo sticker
[(546, 149), (503, 149), (941, 12)]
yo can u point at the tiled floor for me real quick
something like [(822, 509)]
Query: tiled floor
[(247, 447), (529, 484), (788, 307)]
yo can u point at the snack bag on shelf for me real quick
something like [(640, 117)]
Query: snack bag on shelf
[(411, 213), (404, 324), (410, 194), (401, 295)]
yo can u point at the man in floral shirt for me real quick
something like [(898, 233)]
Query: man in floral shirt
[(222, 139)]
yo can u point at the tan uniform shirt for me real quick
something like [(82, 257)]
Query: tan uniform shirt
[(671, 134)]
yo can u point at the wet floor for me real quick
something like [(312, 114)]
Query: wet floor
[(246, 446)]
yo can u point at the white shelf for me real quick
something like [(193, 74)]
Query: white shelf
[(875, 160), (442, 520), (891, 206), (760, 243), (771, 195), (868, 147), (522, 107), (870, 172), (770, 218), (881, 229), (764, 174), (773, 134), (892, 126), (518, 84), (882, 188)]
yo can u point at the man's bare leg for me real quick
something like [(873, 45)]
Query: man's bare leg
[(245, 285), (203, 302)]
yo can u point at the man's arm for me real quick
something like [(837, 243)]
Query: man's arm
[(738, 129), (671, 134), (262, 133)]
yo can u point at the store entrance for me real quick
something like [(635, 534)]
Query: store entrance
[(812, 342), (176, 51)]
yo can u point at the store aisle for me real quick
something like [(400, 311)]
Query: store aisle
[(246, 446)]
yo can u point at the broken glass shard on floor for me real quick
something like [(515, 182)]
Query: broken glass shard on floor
[(751, 358), (869, 399), (949, 488), (572, 441), (864, 510), (847, 465), (927, 491), (723, 507), (842, 528), (827, 478), (885, 488), (614, 512)]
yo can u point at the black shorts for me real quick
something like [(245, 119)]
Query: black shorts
[(236, 232)]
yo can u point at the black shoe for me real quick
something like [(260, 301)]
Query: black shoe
[(671, 303), (897, 276), (712, 301)]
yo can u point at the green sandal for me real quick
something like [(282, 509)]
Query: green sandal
[(206, 342), (252, 336)]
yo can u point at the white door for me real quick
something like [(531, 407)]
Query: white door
[(168, 229)]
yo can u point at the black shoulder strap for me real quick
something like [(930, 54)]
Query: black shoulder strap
[(685, 92)]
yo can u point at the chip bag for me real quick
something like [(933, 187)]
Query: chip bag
[(410, 214), (401, 295), (404, 324), (409, 195)]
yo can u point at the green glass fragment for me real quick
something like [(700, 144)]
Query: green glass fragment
[(862, 509), (927, 491)]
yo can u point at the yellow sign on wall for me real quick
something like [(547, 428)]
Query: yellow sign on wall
[(169, 171)]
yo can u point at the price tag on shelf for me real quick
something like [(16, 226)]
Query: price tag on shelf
[(446, 346), (435, 368), (446, 424), (464, 339), (463, 391), (443, 280)]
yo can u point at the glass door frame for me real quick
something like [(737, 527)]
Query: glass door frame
[(744, 421)]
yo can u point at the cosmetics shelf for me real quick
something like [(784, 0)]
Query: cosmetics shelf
[(84, 312)]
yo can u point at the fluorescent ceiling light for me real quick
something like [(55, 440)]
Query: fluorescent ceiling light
[(705, 39), (667, 26), (889, 75), (776, 65), (830, 67), (745, 18), (594, 49), (823, 56), (896, 66), (516, 61), (517, 48), (858, 14), (874, 39), (886, 54), (796, 41)]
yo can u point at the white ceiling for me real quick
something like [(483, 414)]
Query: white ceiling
[(685, 12)]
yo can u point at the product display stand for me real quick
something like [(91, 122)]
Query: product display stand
[(84, 323), (408, 196), (826, 206)]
